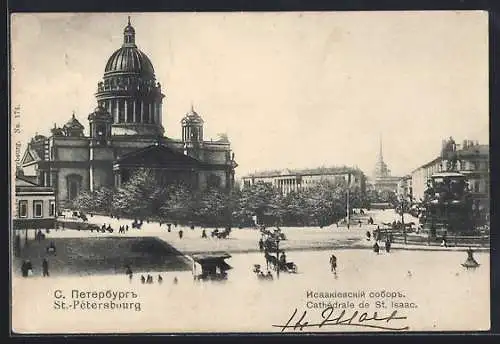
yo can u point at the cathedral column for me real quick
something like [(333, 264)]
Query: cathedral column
[(134, 113), (125, 103), (108, 106), (159, 114), (153, 111), (142, 111), (117, 110), (150, 107)]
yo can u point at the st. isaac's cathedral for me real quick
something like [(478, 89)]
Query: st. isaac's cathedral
[(126, 133)]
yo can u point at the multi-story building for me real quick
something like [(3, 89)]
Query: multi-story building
[(126, 133), (470, 159), (405, 188), (295, 180), (35, 205)]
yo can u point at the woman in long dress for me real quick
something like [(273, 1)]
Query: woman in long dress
[(470, 262)]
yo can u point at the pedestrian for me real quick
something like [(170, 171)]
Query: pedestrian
[(143, 280), (24, 268), (149, 280), (29, 268), (445, 241), (45, 267), (128, 270), (180, 234), (368, 235), (169, 226), (376, 248), (160, 279), (176, 280), (203, 234), (388, 245), (126, 228), (333, 263)]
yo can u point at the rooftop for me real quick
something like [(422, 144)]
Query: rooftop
[(307, 171)]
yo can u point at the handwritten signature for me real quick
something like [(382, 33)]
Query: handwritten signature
[(357, 319)]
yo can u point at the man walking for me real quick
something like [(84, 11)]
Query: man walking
[(333, 263), (45, 267)]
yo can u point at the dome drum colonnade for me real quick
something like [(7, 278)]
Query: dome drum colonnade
[(129, 91)]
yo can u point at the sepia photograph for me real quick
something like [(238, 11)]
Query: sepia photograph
[(261, 172)]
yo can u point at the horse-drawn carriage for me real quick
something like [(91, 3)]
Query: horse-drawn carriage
[(213, 266), (222, 234), (138, 224), (279, 263)]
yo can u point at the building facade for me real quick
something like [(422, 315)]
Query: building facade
[(295, 180), (405, 187), (470, 158), (35, 205), (125, 134)]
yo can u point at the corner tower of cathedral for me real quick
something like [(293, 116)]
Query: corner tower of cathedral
[(129, 91)]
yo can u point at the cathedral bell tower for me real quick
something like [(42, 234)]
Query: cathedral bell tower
[(100, 126), (100, 151), (192, 133)]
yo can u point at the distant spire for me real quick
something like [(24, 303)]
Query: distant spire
[(129, 20), (192, 107), (73, 115), (380, 152)]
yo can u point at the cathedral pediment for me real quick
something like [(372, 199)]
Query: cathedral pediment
[(156, 156), (30, 156)]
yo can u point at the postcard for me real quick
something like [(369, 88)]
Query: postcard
[(276, 172)]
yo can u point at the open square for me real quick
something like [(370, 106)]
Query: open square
[(106, 255)]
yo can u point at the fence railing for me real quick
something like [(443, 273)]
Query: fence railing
[(452, 240)]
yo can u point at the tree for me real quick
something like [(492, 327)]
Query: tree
[(142, 195), (178, 204), (258, 199), (84, 202), (212, 207), (103, 200)]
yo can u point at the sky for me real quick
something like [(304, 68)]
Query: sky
[(290, 89)]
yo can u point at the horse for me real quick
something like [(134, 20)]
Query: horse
[(271, 260)]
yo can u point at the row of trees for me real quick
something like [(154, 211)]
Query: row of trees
[(145, 197)]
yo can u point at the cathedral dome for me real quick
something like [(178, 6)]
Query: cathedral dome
[(129, 59), (192, 117), (73, 123)]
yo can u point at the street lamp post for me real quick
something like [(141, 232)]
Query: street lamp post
[(403, 218), (278, 258)]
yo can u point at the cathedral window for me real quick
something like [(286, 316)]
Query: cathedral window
[(52, 208), (37, 208), (23, 209)]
